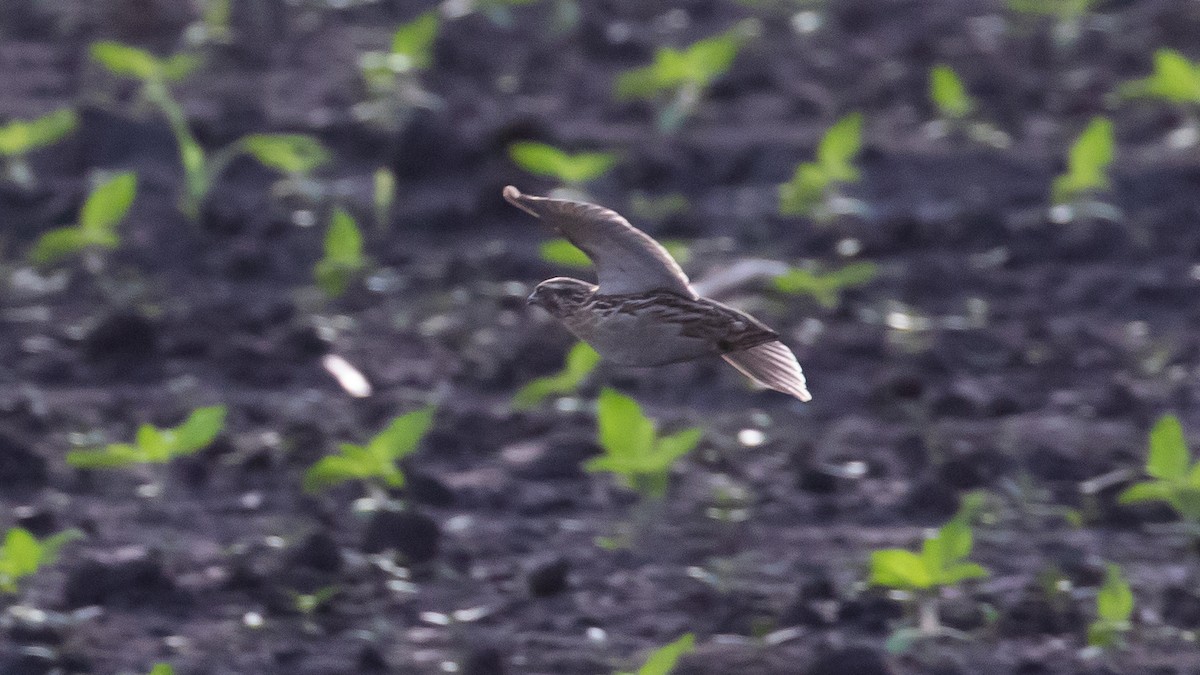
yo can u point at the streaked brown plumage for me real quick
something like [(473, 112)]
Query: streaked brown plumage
[(644, 311)]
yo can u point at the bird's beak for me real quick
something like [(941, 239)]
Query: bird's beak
[(513, 196), (534, 299)]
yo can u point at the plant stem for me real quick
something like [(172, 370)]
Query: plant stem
[(927, 614)]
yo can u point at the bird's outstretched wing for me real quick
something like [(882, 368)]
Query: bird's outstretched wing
[(627, 260), (772, 365)]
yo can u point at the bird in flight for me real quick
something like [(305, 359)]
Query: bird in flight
[(643, 310)]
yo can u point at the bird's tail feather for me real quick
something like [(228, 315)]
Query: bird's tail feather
[(772, 365)]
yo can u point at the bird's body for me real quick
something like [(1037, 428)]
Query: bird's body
[(644, 311)]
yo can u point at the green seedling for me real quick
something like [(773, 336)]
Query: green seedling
[(941, 563), (153, 445), (572, 170), (383, 196), (18, 138), (955, 108), (22, 555), (162, 669), (1176, 479), (633, 450), (391, 77), (1175, 80), (949, 95), (1087, 164), (664, 659), (344, 260), (376, 463), (681, 76), (826, 288), (1114, 609), (104, 209), (580, 363), (308, 604), (815, 183), (295, 155)]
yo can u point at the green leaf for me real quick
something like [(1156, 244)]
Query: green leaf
[(825, 288), (332, 470), (956, 540), (344, 242), (547, 160), (1168, 457), (415, 39), (402, 437), (697, 66), (122, 59), (343, 254), (563, 252), (1114, 602), (804, 191), (1149, 491), (113, 456), (665, 658), (108, 203), (962, 571), (198, 430), (162, 669), (21, 554), (19, 137), (52, 545), (154, 443), (838, 148), (949, 94), (1087, 162), (899, 568), (581, 361), (296, 154), (58, 244), (623, 429), (1175, 79), (671, 448)]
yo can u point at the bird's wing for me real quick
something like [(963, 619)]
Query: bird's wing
[(627, 260), (772, 365)]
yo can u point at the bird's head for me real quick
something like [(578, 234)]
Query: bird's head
[(560, 296)]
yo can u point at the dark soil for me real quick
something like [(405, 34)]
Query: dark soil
[(996, 350)]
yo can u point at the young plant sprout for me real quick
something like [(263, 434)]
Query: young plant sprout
[(826, 288), (1176, 479), (816, 184), (1175, 80), (391, 77), (104, 209), (376, 462), (948, 93), (153, 445), (664, 659), (22, 555), (678, 78), (941, 563), (343, 260), (18, 138), (1114, 609), (580, 363), (295, 155), (572, 170), (1087, 174), (633, 450), (955, 108), (162, 669)]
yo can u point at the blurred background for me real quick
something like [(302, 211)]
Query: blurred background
[(264, 230)]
